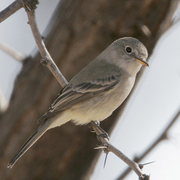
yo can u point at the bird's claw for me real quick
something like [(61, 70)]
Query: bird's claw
[(103, 135)]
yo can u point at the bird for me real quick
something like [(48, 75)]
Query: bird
[(96, 91)]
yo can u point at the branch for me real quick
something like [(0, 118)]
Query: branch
[(162, 137), (108, 147), (3, 102), (11, 51), (46, 58), (11, 9)]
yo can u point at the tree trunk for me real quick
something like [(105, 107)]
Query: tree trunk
[(79, 31)]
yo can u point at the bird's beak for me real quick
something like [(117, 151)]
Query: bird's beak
[(144, 63)]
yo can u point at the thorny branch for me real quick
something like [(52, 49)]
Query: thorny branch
[(162, 137), (108, 147)]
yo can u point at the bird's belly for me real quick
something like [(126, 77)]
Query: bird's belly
[(100, 107)]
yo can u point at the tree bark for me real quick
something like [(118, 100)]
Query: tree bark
[(79, 30)]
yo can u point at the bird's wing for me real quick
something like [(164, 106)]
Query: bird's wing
[(72, 95)]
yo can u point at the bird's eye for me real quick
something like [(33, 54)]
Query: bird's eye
[(128, 50)]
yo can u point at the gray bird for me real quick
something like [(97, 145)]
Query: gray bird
[(96, 91)]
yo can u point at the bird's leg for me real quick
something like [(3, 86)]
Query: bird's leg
[(100, 134), (103, 134)]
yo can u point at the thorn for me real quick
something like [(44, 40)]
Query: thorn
[(101, 147), (92, 131), (142, 165), (105, 159)]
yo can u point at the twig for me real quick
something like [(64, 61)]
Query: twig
[(46, 58), (162, 137), (3, 102), (108, 147), (11, 9), (11, 51)]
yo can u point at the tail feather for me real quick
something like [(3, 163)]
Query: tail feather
[(34, 137), (48, 124)]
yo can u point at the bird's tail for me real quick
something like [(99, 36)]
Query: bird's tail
[(34, 137)]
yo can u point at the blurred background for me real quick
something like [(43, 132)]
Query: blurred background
[(152, 106)]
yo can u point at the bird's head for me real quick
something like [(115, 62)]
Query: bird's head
[(129, 54)]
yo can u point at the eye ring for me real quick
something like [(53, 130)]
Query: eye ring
[(128, 50)]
